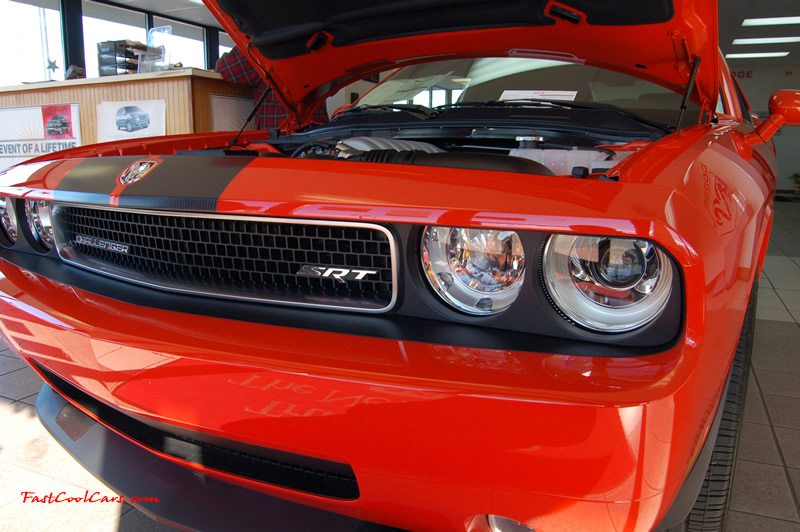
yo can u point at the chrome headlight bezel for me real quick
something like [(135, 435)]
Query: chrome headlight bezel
[(40, 222), (478, 289), (8, 220), (572, 277)]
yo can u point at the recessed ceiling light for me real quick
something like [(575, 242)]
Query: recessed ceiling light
[(756, 55), (767, 40), (772, 21)]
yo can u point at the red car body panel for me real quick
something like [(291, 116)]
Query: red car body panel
[(441, 435), (552, 440)]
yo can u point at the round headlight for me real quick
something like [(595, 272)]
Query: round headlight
[(477, 271), (607, 284), (37, 213), (8, 218)]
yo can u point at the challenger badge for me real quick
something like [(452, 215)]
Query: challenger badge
[(101, 244)]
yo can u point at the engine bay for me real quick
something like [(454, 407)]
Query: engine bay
[(532, 156)]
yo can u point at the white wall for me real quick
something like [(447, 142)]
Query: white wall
[(758, 83)]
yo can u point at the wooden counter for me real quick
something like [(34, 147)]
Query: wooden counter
[(185, 91)]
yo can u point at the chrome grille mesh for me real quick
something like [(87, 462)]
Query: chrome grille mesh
[(237, 257)]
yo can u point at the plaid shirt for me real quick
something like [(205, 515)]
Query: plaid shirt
[(236, 67)]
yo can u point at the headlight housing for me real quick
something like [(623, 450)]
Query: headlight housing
[(606, 284), (40, 221), (8, 218), (477, 271)]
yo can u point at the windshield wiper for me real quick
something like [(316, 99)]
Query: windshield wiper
[(425, 112), (524, 102), (536, 102)]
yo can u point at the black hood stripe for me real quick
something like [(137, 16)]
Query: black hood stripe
[(177, 183), (92, 181)]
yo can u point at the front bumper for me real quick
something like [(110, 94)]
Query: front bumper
[(435, 434), (185, 499)]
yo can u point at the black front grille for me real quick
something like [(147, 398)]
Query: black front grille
[(239, 257)]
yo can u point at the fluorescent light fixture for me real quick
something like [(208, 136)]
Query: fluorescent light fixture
[(772, 21), (767, 40), (756, 55)]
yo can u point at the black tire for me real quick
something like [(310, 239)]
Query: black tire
[(711, 506), (128, 126)]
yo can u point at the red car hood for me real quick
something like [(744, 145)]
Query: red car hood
[(309, 49)]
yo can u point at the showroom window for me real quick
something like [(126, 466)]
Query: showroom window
[(435, 97), (183, 43), (35, 27), (225, 43), (431, 97), (103, 23)]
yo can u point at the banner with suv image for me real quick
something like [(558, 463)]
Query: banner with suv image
[(130, 119)]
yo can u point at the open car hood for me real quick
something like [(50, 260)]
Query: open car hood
[(309, 49)]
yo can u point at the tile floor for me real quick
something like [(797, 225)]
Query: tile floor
[(767, 480), (766, 485), (31, 460)]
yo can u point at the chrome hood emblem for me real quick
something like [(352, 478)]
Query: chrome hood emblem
[(136, 171)]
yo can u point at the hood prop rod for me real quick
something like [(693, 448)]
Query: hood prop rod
[(250, 116), (689, 87)]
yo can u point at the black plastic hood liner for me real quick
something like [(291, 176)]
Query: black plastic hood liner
[(289, 29)]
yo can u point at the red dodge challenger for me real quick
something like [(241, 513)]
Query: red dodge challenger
[(511, 288)]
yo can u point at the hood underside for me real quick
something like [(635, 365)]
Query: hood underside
[(309, 49)]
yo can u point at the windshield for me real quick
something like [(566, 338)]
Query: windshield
[(132, 109), (443, 83)]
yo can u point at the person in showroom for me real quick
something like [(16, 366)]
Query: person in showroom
[(237, 68)]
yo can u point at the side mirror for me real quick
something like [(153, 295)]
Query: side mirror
[(784, 109), (786, 103)]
